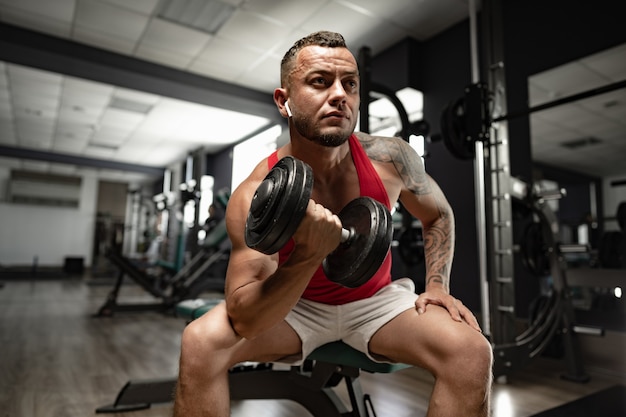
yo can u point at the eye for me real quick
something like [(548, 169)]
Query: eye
[(319, 80), (352, 84)]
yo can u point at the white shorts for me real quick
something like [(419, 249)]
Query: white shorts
[(354, 323)]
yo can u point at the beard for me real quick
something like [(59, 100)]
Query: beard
[(331, 140)]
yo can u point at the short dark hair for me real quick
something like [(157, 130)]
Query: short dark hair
[(321, 38)]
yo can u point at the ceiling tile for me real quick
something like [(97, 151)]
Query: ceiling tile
[(134, 152), (73, 131), (98, 152), (224, 59), (110, 136), (292, 12), (62, 10), (162, 56), (173, 37), (610, 63), (9, 162), (113, 21), (146, 7), (265, 76), (340, 18), (418, 19), (162, 154), (103, 40), (79, 115), (7, 133), (244, 28), (121, 119), (36, 166), (73, 85), (566, 80), (37, 23), (73, 145), (62, 169)]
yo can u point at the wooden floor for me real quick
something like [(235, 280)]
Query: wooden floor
[(58, 361)]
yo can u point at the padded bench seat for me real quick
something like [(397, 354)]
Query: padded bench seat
[(334, 352)]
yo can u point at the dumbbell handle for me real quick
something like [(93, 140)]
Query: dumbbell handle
[(347, 234)]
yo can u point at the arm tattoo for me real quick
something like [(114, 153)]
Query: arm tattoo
[(438, 235), (398, 152), (438, 250)]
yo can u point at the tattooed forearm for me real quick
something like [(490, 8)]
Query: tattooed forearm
[(438, 250), (408, 164)]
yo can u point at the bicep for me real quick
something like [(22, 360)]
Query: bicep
[(245, 265), (428, 204)]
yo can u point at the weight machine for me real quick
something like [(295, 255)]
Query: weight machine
[(475, 127), (189, 282)]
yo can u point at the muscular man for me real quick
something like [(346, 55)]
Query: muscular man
[(281, 307)]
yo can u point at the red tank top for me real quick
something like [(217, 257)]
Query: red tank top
[(320, 288)]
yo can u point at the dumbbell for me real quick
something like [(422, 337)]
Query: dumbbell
[(279, 205)]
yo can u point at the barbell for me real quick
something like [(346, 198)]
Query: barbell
[(279, 205)]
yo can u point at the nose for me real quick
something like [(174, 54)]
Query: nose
[(337, 93)]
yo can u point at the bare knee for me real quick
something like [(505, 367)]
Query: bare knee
[(206, 343), (467, 361)]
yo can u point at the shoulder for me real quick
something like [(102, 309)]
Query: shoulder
[(384, 148)]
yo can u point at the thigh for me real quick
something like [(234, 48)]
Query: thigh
[(425, 340), (277, 342)]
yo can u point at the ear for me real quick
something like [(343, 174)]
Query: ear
[(280, 98)]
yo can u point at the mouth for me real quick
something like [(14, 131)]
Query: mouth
[(336, 115)]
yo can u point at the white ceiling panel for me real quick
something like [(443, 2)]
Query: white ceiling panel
[(146, 7), (247, 28), (52, 17), (417, 18), (70, 145), (164, 57), (341, 18), (174, 37), (9, 162), (293, 12), (103, 40), (98, 152), (62, 169), (36, 166), (567, 80), (106, 18), (85, 116), (120, 119), (110, 136), (163, 153), (95, 91), (610, 63), (62, 10), (263, 75)]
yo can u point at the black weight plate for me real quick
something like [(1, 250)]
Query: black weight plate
[(278, 205), (454, 132), (534, 250), (354, 262)]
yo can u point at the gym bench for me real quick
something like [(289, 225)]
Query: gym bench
[(311, 384)]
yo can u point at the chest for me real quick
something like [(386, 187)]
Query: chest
[(336, 192)]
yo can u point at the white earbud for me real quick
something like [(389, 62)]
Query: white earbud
[(288, 109)]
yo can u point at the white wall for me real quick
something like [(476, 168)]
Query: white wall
[(48, 233)]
